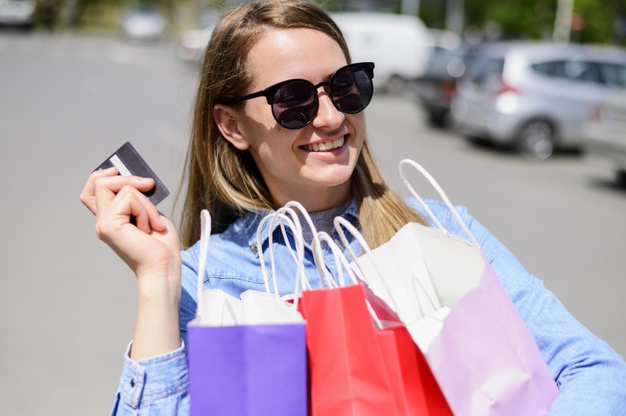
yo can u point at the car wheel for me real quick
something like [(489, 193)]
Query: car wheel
[(621, 178), (536, 140), (439, 118)]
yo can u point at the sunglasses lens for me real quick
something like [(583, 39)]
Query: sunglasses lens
[(295, 104), (351, 89)]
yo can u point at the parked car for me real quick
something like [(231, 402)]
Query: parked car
[(535, 96), (143, 23), (397, 44), (436, 88), (606, 134), (17, 13)]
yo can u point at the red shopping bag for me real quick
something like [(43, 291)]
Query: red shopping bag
[(415, 388), (357, 369)]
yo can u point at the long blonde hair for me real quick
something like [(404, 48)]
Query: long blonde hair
[(225, 180)]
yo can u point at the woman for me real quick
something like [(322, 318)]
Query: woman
[(259, 142)]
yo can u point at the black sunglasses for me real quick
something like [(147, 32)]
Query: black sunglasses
[(295, 102)]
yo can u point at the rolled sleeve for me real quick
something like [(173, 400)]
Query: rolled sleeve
[(159, 382)]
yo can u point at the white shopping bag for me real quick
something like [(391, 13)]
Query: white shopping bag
[(456, 310)]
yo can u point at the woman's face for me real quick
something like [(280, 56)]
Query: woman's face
[(291, 162)]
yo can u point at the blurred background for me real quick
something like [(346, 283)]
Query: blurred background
[(517, 109)]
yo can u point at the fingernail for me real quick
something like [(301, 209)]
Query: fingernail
[(163, 222), (145, 180)]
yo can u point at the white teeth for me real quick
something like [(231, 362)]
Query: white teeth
[(326, 146)]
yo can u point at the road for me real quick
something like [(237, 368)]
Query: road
[(67, 303)]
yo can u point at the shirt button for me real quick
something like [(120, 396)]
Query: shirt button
[(132, 382)]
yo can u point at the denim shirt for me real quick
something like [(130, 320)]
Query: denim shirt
[(590, 375)]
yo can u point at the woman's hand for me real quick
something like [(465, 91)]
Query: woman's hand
[(148, 242)]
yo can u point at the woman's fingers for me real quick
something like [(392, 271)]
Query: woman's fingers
[(102, 186), (126, 206), (118, 200), (129, 223), (88, 194), (106, 188)]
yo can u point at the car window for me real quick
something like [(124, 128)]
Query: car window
[(613, 75), (582, 71), (550, 69), (571, 70), (481, 68)]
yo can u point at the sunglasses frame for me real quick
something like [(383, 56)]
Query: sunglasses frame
[(270, 91)]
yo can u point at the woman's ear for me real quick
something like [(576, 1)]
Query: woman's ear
[(227, 121)]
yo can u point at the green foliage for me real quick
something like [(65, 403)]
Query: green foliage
[(534, 19), (598, 20), (528, 19), (523, 18)]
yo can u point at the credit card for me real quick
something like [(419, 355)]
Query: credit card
[(128, 163)]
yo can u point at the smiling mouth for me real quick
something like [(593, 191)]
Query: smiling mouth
[(325, 147)]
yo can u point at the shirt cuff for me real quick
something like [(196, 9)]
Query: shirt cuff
[(146, 381)]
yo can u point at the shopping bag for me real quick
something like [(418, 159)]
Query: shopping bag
[(358, 363), (456, 310), (246, 356)]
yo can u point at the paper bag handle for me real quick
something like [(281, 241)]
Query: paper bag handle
[(315, 241), (294, 224), (342, 264), (318, 255), (340, 223), (442, 194), (205, 235)]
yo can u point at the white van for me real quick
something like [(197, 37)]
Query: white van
[(399, 45)]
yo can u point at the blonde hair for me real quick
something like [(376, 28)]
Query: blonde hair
[(225, 180)]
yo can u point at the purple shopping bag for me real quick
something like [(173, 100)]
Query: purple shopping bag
[(246, 356), (248, 370)]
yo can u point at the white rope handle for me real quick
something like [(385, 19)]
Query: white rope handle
[(289, 217), (342, 264), (299, 257), (340, 223), (299, 238), (442, 194), (205, 235), (340, 259), (315, 242)]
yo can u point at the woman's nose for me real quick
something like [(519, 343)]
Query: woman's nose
[(327, 113)]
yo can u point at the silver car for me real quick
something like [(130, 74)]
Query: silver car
[(535, 96), (606, 134)]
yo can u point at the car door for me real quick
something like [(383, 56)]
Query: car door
[(561, 91), (474, 101)]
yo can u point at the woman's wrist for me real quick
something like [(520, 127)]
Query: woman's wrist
[(162, 278), (157, 330)]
